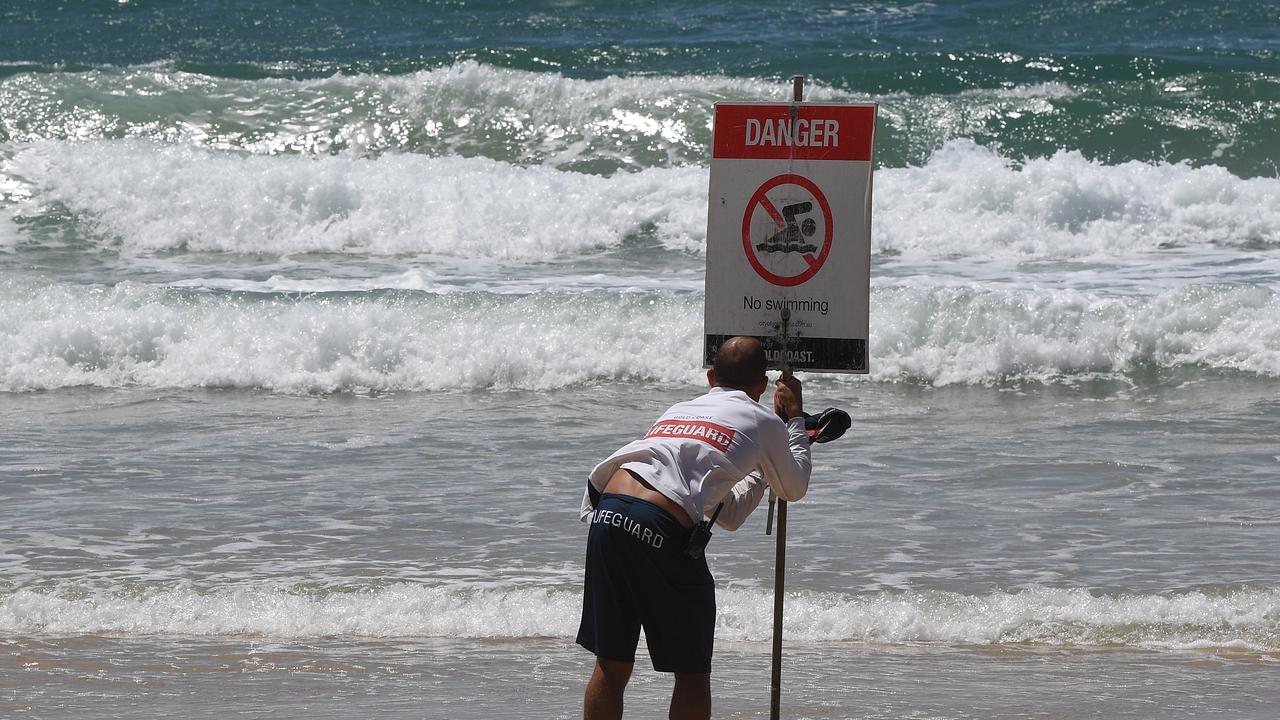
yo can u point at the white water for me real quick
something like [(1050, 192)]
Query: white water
[(968, 204), (985, 270), (145, 197), (133, 334), (1244, 619)]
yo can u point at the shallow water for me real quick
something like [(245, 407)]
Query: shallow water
[(534, 678)]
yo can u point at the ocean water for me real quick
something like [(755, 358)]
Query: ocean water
[(314, 317)]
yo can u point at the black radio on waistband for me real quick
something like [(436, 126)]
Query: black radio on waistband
[(701, 535)]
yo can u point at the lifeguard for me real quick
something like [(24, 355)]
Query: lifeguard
[(643, 502)]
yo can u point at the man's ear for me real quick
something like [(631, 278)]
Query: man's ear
[(711, 377)]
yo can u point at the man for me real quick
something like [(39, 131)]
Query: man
[(712, 455)]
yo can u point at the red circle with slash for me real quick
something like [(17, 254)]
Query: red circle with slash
[(813, 263)]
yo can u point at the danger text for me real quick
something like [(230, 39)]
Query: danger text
[(798, 133)]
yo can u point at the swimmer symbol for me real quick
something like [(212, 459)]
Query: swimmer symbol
[(791, 237)]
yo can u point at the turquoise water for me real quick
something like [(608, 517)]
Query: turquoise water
[(1163, 81), (314, 316)]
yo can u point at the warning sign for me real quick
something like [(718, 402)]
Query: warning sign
[(789, 229)]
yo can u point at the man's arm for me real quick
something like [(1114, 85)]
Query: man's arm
[(784, 457), (741, 500)]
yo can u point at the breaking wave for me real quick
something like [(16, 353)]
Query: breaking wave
[(1241, 618), (967, 203), (155, 336), (631, 122)]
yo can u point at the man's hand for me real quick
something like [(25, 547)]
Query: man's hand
[(788, 400)]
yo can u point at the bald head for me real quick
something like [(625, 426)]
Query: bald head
[(740, 364)]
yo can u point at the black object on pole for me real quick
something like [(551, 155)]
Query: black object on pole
[(780, 554)]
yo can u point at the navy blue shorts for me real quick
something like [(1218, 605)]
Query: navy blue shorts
[(639, 576)]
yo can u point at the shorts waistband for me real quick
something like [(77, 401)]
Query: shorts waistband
[(648, 523)]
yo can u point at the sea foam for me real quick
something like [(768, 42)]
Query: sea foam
[(1240, 618), (161, 337), (968, 203), (145, 197), (971, 202), (153, 336)]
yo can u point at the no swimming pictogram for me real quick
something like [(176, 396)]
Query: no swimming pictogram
[(787, 230)]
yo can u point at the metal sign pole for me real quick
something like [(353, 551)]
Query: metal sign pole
[(780, 553), (779, 559)]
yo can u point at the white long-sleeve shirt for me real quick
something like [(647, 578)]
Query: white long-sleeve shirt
[(720, 447)]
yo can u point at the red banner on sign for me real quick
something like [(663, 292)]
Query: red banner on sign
[(816, 132)]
